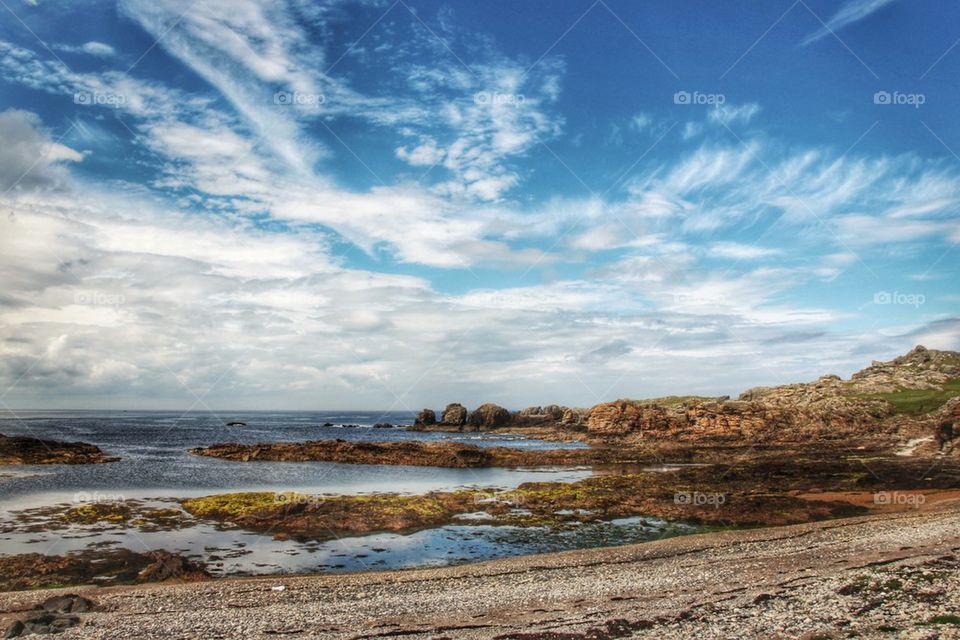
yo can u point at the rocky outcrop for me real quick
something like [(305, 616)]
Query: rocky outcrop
[(105, 567), (18, 450), (418, 454), (877, 403), (425, 418), (165, 565), (455, 415), (488, 416)]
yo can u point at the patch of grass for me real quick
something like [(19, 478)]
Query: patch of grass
[(916, 402), (947, 619)]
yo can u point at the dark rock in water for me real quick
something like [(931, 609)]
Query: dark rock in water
[(454, 415), (328, 424), (425, 418), (350, 426), (383, 425), (489, 416), (17, 450), (168, 565), (70, 603), (236, 424)]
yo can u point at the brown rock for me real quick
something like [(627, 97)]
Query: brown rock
[(425, 418), (489, 416), (20, 450), (454, 415), (168, 565)]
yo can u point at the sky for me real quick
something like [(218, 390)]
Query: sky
[(396, 204)]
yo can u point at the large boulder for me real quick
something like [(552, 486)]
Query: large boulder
[(488, 416), (454, 415), (554, 412), (624, 417), (425, 418)]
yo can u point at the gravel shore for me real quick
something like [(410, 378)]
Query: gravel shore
[(872, 576)]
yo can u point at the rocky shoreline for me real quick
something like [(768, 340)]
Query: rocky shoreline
[(860, 577), (888, 402), (770, 488)]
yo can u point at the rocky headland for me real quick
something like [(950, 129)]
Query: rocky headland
[(886, 403)]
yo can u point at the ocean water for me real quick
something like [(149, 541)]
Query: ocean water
[(155, 468), (154, 461)]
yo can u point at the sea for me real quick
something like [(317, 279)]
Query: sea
[(156, 469)]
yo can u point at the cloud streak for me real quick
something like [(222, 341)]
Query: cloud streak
[(852, 11)]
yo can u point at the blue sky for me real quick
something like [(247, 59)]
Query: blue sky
[(366, 204)]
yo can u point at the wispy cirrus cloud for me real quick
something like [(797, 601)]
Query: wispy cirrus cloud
[(852, 11)]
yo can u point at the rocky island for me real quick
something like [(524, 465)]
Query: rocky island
[(19, 450)]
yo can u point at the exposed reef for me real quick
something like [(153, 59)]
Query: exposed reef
[(23, 450)]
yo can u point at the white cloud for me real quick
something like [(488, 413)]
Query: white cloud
[(93, 48), (739, 251), (729, 115), (852, 11), (29, 157)]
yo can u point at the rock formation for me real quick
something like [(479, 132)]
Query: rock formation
[(425, 418), (455, 415), (19, 450), (488, 416), (876, 403)]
